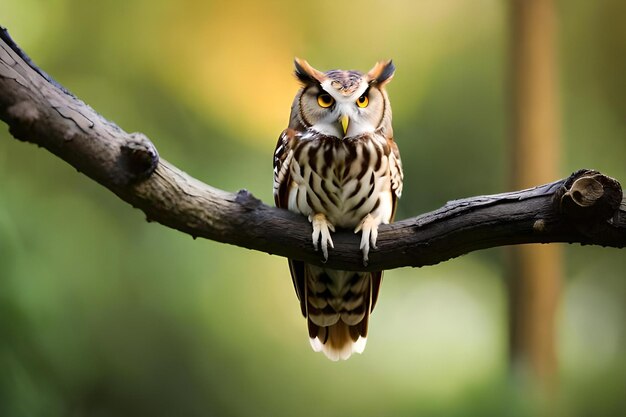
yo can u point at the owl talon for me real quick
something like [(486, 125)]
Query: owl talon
[(369, 235), (321, 233)]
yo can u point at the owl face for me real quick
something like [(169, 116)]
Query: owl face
[(342, 104)]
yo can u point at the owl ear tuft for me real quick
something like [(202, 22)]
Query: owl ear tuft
[(382, 73), (306, 73)]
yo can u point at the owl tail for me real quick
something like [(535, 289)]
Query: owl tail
[(338, 306), (338, 341)]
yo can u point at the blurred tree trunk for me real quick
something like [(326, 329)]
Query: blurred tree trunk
[(535, 271)]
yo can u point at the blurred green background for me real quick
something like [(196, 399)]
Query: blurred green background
[(103, 314)]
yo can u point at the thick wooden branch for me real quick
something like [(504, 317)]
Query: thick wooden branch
[(586, 207)]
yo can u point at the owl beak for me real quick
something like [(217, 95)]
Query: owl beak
[(344, 123)]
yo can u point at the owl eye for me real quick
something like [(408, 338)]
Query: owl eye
[(325, 100), (362, 101)]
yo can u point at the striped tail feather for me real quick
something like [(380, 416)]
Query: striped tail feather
[(338, 305), (337, 341)]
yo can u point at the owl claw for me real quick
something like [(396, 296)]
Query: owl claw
[(321, 232), (369, 235)]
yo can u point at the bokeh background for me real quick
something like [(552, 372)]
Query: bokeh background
[(104, 314)]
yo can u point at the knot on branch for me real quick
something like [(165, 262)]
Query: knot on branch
[(247, 201), (138, 158), (588, 194)]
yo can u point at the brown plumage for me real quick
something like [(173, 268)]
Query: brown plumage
[(337, 163)]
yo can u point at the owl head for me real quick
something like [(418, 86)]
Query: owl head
[(342, 104)]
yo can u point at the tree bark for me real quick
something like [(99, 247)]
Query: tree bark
[(586, 207)]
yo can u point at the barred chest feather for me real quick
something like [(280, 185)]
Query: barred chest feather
[(344, 179)]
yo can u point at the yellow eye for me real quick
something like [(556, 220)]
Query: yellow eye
[(325, 100), (362, 101)]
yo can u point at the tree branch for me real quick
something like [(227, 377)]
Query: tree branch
[(587, 207)]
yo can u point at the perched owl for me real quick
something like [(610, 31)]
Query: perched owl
[(338, 165)]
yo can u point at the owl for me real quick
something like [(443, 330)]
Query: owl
[(337, 164)]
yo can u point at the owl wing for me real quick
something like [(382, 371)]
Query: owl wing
[(395, 171), (282, 178), (397, 176), (282, 160)]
